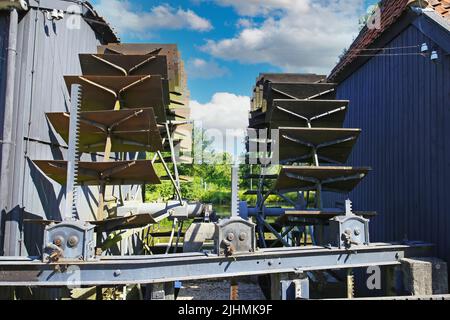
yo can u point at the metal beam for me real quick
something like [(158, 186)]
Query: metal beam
[(119, 270)]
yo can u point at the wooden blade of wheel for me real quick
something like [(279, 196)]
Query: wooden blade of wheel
[(102, 93), (299, 143), (123, 65), (131, 130), (94, 173), (345, 178)]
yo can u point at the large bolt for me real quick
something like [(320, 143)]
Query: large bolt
[(242, 236), (230, 236), (73, 241), (58, 241)]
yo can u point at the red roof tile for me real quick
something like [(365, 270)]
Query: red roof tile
[(391, 10)]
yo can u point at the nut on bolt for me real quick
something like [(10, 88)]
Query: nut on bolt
[(58, 241), (242, 236), (73, 241), (230, 236)]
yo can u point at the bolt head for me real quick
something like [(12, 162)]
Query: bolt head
[(243, 236), (58, 241), (230, 236), (73, 241)]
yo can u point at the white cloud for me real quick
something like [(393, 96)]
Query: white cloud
[(256, 7), (202, 69), (126, 19), (225, 119), (224, 111), (295, 35), (245, 23)]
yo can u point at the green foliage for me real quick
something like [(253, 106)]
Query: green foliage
[(211, 179)]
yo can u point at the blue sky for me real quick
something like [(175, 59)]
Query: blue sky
[(232, 76), (226, 43)]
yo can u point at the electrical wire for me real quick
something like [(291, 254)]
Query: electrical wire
[(385, 48), (390, 54)]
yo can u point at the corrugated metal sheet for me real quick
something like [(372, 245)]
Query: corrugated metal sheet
[(402, 105), (47, 50)]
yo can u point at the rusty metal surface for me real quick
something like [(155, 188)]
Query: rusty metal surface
[(331, 144), (290, 77), (323, 114), (234, 289), (296, 90), (308, 109), (123, 65), (130, 130), (176, 69), (112, 173), (103, 92), (180, 113), (335, 179), (183, 132)]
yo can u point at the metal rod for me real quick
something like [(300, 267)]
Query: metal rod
[(284, 234), (174, 158), (180, 229), (169, 245), (101, 202), (134, 114), (328, 113), (110, 64), (134, 84), (320, 94), (141, 64), (234, 289), (292, 113), (235, 191), (275, 233), (285, 94), (99, 86)]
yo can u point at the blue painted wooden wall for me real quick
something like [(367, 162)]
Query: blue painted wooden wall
[(402, 104)]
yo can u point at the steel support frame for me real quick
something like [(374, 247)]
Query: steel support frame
[(119, 270)]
